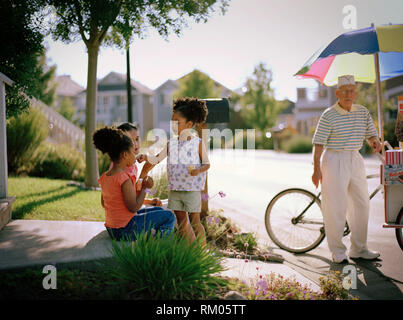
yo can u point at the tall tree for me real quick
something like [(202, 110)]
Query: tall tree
[(21, 48), (197, 84), (90, 20), (259, 105)]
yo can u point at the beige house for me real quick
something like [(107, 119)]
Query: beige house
[(67, 88), (112, 102), (310, 105)]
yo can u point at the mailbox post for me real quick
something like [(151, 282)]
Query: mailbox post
[(218, 112)]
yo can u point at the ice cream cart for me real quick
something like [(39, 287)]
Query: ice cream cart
[(392, 180), (372, 55)]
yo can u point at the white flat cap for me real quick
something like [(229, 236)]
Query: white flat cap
[(345, 80)]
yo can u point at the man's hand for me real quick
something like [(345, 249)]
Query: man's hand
[(317, 177), (375, 144)]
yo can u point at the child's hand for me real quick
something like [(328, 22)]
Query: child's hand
[(148, 183), (194, 172), (141, 158)]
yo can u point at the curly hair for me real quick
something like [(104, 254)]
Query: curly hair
[(127, 126), (112, 141), (192, 109)]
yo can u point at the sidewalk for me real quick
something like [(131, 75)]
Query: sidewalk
[(25, 243)]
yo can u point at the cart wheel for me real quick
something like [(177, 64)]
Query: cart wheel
[(399, 231)]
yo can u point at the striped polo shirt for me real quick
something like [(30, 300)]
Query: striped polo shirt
[(344, 130)]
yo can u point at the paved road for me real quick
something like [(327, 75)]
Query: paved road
[(251, 178)]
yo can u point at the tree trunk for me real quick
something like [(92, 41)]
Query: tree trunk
[(91, 160)]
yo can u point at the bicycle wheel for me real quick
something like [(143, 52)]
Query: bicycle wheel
[(399, 231), (294, 220)]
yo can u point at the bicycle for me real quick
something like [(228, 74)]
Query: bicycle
[(294, 220)]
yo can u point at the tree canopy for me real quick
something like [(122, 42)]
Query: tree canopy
[(113, 22), (197, 84), (21, 48), (259, 105)]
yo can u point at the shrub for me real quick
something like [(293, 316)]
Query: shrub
[(25, 133), (245, 242), (332, 286), (262, 142), (167, 268), (298, 144), (104, 162), (275, 287), (58, 162), (219, 230)]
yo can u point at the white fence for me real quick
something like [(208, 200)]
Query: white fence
[(61, 131)]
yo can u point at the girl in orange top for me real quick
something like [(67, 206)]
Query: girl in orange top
[(133, 132), (118, 190)]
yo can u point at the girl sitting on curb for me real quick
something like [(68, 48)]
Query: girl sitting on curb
[(118, 190), (133, 132), (187, 164)]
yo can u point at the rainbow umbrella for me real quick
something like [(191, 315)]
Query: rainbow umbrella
[(371, 54)]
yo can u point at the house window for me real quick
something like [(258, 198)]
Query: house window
[(105, 101), (301, 93)]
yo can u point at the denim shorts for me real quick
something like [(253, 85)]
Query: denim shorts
[(146, 219)]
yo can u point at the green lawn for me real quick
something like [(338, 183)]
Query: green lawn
[(52, 199)]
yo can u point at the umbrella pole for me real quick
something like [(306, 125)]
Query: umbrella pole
[(379, 100)]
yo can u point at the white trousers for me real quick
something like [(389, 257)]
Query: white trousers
[(344, 196)]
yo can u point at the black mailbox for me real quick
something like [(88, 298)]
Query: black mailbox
[(218, 110)]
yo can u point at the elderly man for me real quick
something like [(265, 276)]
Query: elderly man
[(340, 132)]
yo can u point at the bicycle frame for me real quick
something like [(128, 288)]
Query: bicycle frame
[(299, 219)]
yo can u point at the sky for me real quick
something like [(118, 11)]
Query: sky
[(283, 34)]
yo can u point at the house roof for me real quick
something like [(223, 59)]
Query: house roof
[(109, 79), (394, 82), (67, 87), (290, 108), (117, 81), (168, 82)]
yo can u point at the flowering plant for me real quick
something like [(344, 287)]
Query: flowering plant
[(151, 192), (206, 197)]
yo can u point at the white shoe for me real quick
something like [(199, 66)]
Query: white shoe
[(365, 254), (339, 258)]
